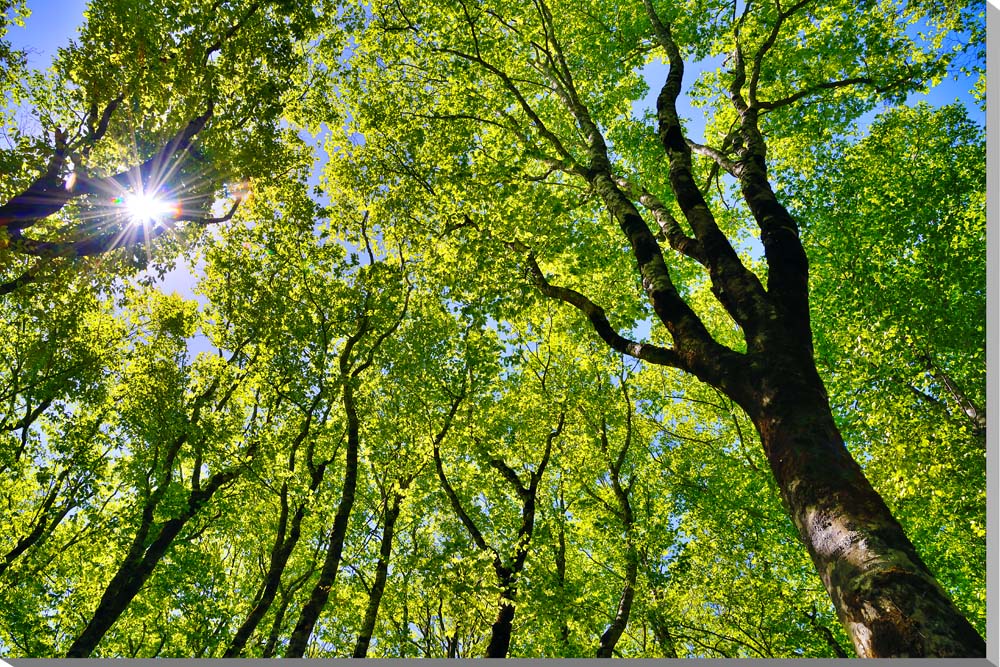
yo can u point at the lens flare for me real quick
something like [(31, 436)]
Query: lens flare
[(146, 208)]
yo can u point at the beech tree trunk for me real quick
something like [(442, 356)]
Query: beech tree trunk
[(280, 553), (138, 566), (503, 626), (310, 613), (381, 572), (886, 598), (617, 627)]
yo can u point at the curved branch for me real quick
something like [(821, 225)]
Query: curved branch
[(233, 29), (508, 473), (737, 288), (672, 231), (772, 37), (599, 320), (456, 504), (49, 193), (521, 101), (716, 155), (536, 476), (833, 85), (121, 238)]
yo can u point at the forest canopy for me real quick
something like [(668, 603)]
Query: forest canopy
[(535, 328)]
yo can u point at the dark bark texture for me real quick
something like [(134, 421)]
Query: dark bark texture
[(381, 572), (286, 538), (886, 598), (138, 566), (335, 547)]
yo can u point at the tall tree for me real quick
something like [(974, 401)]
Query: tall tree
[(901, 335), (507, 562), (375, 323), (281, 492), (524, 103), (178, 442)]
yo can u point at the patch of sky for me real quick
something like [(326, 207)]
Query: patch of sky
[(655, 74), (51, 24)]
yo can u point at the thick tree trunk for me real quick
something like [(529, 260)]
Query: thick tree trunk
[(887, 599), (503, 626)]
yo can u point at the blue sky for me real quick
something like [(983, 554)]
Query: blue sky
[(52, 24)]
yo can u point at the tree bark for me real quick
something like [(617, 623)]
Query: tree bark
[(280, 553), (503, 626), (886, 598), (381, 572), (328, 575), (617, 627), (279, 615), (137, 568)]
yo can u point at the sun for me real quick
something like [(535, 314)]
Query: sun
[(146, 208)]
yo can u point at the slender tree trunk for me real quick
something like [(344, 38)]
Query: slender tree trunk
[(309, 614), (381, 572), (451, 642), (280, 553), (887, 599), (279, 617), (506, 575), (286, 538), (614, 632), (328, 575), (45, 524), (662, 634), (137, 568)]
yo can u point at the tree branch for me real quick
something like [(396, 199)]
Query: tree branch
[(508, 473), (772, 37), (107, 242), (50, 193), (736, 287), (833, 85), (716, 155), (598, 319)]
